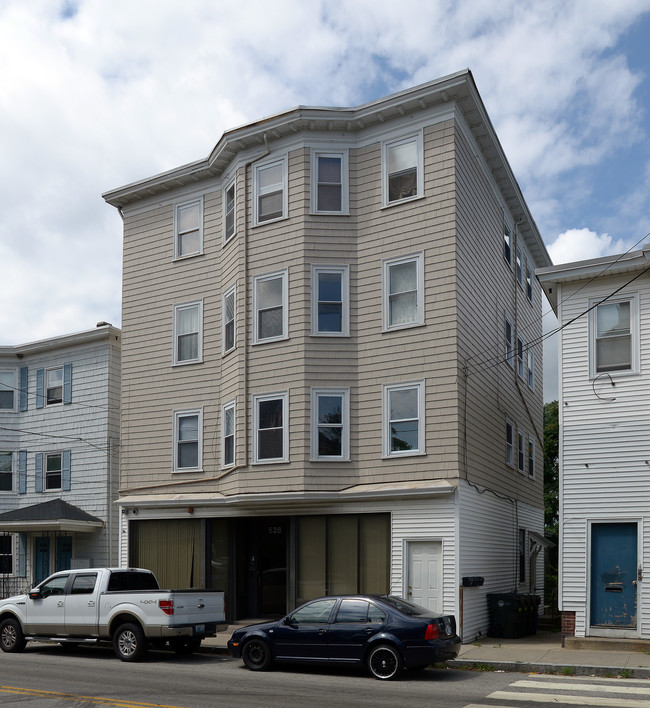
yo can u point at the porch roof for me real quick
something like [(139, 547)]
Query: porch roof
[(53, 515)]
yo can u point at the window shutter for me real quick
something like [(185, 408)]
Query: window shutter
[(67, 383), (24, 381), (21, 552), (22, 471), (65, 470), (39, 472), (40, 388)]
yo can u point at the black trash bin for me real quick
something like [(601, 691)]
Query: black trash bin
[(507, 615)]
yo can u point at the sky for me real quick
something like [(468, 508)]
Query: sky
[(95, 94)]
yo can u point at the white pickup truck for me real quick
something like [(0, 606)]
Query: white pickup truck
[(121, 605)]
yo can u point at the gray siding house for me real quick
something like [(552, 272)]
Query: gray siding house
[(326, 383), (603, 307), (59, 445)]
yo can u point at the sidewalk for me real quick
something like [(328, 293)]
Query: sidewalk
[(537, 653)]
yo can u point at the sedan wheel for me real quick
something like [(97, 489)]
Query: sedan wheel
[(385, 662), (257, 655)]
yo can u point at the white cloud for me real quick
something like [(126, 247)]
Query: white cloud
[(584, 244), (94, 95)]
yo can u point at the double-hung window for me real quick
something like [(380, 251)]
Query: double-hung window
[(188, 428), (6, 472), (520, 357), (510, 443), (53, 470), (188, 333), (329, 183), (520, 451), (330, 424), (531, 368), (531, 458), (188, 218), (6, 554), (54, 386), (7, 390), (228, 315), (507, 244), (614, 328), (229, 211), (402, 169), (520, 267), (509, 341), (330, 301), (271, 428), (270, 296), (403, 413), (403, 292), (228, 434), (529, 281), (270, 191)]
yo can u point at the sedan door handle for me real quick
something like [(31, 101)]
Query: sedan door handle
[(322, 631), (370, 630)]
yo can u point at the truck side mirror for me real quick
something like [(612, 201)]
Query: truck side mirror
[(35, 594)]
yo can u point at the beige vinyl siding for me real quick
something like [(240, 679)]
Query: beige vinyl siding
[(487, 293)]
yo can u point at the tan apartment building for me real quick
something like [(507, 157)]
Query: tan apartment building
[(331, 368)]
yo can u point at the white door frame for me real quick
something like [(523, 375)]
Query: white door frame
[(406, 564)]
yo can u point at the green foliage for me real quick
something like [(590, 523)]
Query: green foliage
[(551, 500)]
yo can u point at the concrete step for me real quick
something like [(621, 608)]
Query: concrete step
[(607, 644)]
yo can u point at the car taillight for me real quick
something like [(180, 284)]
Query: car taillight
[(432, 632), (167, 606)]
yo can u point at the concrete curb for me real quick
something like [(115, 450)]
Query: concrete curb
[(561, 669)]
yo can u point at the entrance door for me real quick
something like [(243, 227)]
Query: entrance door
[(41, 558), (614, 576), (63, 552), (425, 574)]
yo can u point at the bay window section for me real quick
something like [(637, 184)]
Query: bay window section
[(330, 301), (329, 194), (188, 333), (271, 428), (228, 310), (188, 440), (229, 205), (270, 191), (404, 419), (402, 169), (403, 297), (188, 227), (270, 307), (228, 434), (330, 429)]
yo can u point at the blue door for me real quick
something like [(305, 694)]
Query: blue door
[(613, 575), (63, 552), (41, 558)]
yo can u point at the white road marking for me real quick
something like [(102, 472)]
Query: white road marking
[(567, 699), (621, 688)]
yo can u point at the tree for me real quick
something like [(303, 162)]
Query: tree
[(551, 501)]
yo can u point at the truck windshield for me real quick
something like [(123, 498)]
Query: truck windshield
[(130, 580)]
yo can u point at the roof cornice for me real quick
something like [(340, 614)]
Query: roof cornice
[(104, 331)]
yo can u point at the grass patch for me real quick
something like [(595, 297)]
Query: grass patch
[(568, 670)]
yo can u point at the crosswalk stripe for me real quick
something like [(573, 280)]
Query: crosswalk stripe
[(621, 688), (593, 679), (568, 699)]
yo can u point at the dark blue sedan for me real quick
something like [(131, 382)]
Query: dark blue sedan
[(385, 633)]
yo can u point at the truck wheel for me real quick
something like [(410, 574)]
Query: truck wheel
[(185, 647), (12, 638), (129, 642), (385, 662), (257, 655)]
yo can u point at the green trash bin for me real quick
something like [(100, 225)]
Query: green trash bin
[(507, 615)]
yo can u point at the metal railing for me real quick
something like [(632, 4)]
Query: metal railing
[(10, 586)]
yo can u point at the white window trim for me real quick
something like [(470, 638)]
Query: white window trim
[(58, 454), (284, 274), (177, 208), (520, 354), (257, 398), (13, 473), (418, 258), (14, 387), (231, 291), (519, 266), (176, 417), (510, 447), (634, 370), (345, 427), (387, 390), (521, 456), (345, 188), (345, 295), (199, 358), (227, 406), (530, 364), (232, 183), (386, 145), (528, 278), (256, 192)]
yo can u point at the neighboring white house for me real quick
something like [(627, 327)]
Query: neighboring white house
[(59, 433), (603, 306)]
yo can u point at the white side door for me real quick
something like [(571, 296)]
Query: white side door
[(425, 574)]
